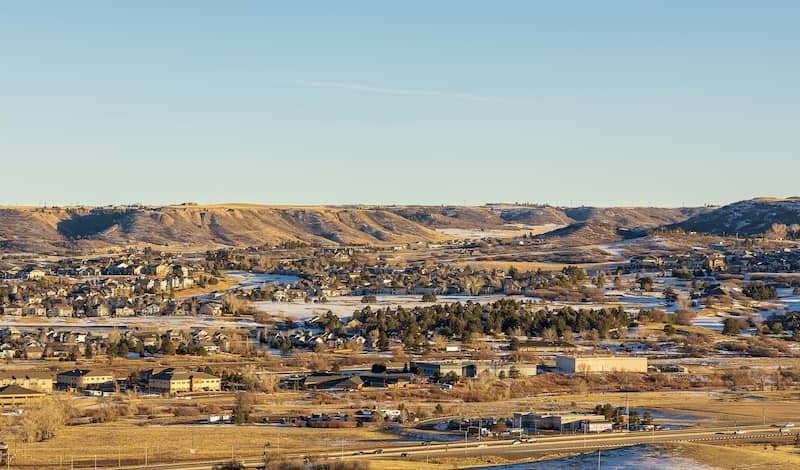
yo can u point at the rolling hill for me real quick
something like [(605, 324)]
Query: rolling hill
[(189, 226), (745, 218)]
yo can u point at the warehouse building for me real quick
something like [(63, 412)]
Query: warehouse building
[(599, 364)]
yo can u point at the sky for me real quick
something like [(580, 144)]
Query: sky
[(660, 103)]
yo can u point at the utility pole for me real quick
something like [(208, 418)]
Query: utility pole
[(628, 412), (598, 459)]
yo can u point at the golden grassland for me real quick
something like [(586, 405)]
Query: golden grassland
[(129, 438), (749, 457), (130, 442)]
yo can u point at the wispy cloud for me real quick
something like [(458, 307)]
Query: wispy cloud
[(362, 88)]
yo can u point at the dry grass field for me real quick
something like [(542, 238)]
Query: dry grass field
[(166, 436), (747, 457), (131, 443)]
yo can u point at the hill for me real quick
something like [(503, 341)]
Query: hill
[(497, 215), (54, 229), (189, 226), (745, 218)]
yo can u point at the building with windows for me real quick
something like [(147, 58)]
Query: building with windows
[(171, 381), (474, 368), (83, 379), (38, 381)]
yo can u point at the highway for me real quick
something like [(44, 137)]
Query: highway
[(507, 449)]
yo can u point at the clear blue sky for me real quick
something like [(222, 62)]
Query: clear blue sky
[(597, 103)]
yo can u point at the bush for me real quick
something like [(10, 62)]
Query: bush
[(184, 411), (685, 317)]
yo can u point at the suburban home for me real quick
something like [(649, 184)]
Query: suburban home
[(171, 381), (124, 312), (60, 310), (81, 379), (13, 310), (33, 352), (213, 309)]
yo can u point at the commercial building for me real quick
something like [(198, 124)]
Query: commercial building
[(38, 381), (82, 379), (472, 368), (564, 421), (171, 381), (599, 364)]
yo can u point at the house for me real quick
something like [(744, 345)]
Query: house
[(171, 381), (100, 310), (81, 379), (60, 310), (35, 311), (14, 395), (13, 310), (715, 262), (213, 309), (33, 352), (124, 312), (33, 274)]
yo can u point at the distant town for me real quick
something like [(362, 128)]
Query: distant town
[(472, 350)]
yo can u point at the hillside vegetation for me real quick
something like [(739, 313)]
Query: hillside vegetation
[(49, 229), (745, 218)]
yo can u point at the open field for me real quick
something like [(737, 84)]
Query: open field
[(128, 439), (131, 443), (741, 457)]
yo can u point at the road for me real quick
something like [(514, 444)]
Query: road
[(545, 445)]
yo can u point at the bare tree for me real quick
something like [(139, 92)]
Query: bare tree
[(41, 421), (794, 229), (778, 231)]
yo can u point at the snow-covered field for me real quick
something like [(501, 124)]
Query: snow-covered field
[(344, 306), (251, 280), (511, 230)]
